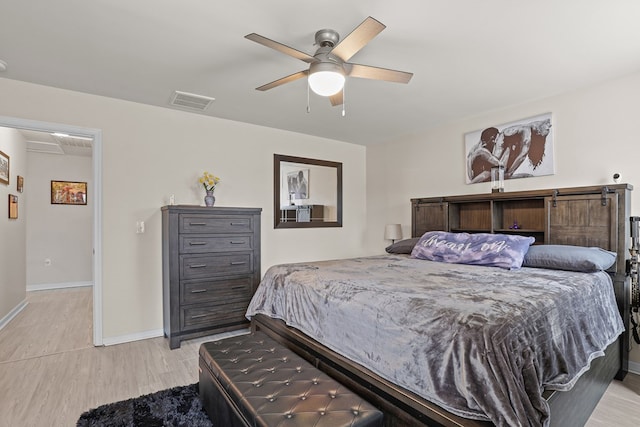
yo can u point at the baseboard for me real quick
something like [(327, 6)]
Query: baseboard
[(13, 313), (160, 333), (634, 367), (133, 337), (63, 285)]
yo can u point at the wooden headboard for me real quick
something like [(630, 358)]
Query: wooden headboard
[(582, 216)]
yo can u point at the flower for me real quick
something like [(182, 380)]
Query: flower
[(209, 181)]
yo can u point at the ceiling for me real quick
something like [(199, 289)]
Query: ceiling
[(467, 56), (56, 143)]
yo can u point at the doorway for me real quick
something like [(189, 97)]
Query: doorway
[(96, 135)]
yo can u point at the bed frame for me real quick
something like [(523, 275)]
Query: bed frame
[(584, 216)]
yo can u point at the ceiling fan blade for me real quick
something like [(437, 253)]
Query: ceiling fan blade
[(377, 73), (287, 79), (281, 47), (337, 99), (358, 38)]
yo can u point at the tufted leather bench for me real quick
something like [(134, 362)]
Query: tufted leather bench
[(251, 380)]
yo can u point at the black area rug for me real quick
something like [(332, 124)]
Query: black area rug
[(176, 407)]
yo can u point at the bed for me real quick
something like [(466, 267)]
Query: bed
[(453, 344)]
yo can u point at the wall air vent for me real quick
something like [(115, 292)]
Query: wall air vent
[(191, 101)]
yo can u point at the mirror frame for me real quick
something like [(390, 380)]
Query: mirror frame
[(277, 159)]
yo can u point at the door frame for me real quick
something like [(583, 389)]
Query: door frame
[(96, 134)]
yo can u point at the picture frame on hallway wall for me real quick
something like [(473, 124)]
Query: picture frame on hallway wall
[(4, 168), (524, 147), (68, 193), (13, 206), (20, 184)]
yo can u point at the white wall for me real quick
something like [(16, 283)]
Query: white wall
[(62, 234), (12, 231), (149, 153), (595, 134)]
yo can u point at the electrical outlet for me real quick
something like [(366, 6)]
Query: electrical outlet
[(47, 262)]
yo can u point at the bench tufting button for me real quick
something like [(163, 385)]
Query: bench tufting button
[(322, 412), (356, 412), (333, 396), (289, 415), (257, 384), (303, 397)]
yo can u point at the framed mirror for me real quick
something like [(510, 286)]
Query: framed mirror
[(306, 192)]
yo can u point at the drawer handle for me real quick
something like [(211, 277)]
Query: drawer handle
[(237, 243), (197, 223), (238, 262), (197, 316), (197, 265), (198, 291), (233, 288), (197, 243), (238, 223)]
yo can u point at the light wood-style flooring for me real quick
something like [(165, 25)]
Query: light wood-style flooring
[(50, 373)]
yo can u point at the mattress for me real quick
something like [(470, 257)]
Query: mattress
[(481, 342)]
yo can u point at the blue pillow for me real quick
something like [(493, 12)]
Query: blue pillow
[(567, 257), (495, 250)]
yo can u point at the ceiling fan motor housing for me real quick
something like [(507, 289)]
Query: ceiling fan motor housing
[(327, 37)]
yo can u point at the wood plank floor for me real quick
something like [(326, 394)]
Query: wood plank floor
[(50, 372)]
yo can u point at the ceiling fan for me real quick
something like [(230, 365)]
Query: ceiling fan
[(328, 67)]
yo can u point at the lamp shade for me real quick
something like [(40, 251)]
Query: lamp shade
[(393, 232), (326, 78)]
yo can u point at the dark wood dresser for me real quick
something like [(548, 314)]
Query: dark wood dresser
[(210, 269)]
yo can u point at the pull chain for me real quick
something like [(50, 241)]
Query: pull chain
[(308, 107), (344, 99)]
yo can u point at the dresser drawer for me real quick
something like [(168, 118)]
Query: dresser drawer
[(199, 243), (213, 315), (222, 290), (204, 266), (215, 224)]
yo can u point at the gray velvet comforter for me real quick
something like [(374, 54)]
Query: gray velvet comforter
[(481, 342)]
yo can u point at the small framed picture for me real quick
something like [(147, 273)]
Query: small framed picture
[(68, 193), (20, 186), (298, 184), (13, 206), (4, 168)]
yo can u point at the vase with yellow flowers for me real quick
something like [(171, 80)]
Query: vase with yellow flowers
[(209, 182)]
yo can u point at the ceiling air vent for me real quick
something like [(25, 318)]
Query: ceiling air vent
[(44, 147), (191, 101)]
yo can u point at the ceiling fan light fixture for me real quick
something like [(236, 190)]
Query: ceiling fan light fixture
[(326, 78)]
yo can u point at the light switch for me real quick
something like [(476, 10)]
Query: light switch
[(139, 227)]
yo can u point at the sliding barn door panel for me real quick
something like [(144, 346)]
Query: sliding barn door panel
[(583, 221)]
